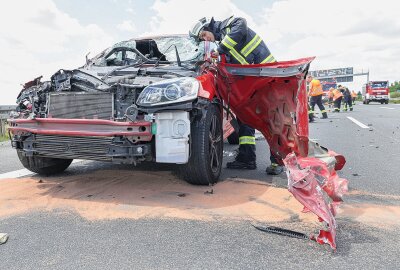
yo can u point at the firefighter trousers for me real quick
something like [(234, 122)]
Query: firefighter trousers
[(348, 105), (247, 144), (337, 102), (317, 100)]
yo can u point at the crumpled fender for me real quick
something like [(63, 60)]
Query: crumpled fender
[(272, 98)]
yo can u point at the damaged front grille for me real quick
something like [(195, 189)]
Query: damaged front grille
[(116, 149), (81, 105), (95, 148)]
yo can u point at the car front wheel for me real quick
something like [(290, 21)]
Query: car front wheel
[(44, 165), (205, 162)]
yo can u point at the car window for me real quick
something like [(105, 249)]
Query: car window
[(188, 48)]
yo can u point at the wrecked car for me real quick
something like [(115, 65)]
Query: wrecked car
[(139, 100), (163, 100)]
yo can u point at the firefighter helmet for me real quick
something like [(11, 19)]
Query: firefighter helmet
[(197, 27)]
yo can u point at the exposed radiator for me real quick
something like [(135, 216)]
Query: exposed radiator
[(78, 105), (96, 148)]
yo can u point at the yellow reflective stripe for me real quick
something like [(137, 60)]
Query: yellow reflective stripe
[(238, 57), (228, 29), (269, 59), (230, 21), (253, 43), (247, 140), (228, 42)]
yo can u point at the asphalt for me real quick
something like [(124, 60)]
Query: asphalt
[(64, 240)]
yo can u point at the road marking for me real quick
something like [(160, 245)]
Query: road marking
[(388, 108), (357, 122), (24, 172)]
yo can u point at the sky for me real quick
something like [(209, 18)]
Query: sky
[(40, 37)]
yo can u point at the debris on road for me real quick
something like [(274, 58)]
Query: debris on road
[(3, 238), (281, 231), (209, 192)]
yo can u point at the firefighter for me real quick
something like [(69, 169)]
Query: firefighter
[(353, 97), (241, 45), (337, 99), (348, 104), (315, 93), (330, 98)]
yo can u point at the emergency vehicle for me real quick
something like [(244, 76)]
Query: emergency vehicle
[(376, 91)]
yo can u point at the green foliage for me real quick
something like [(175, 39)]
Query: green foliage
[(395, 94), (4, 138), (394, 87)]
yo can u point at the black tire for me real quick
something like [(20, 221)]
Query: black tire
[(382, 102), (205, 162), (233, 138), (386, 101), (44, 165)]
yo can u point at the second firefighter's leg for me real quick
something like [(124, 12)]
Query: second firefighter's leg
[(321, 106), (311, 107), (246, 158), (351, 105), (274, 168), (336, 105)]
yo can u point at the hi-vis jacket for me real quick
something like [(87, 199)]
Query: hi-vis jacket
[(337, 94), (240, 43), (315, 88)]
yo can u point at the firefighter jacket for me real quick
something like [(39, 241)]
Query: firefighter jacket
[(337, 94), (347, 95), (330, 93), (315, 88), (241, 44)]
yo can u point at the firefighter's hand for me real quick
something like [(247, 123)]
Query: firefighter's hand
[(214, 54)]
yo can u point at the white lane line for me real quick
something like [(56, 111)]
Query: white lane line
[(24, 172), (357, 122), (15, 174), (388, 108)]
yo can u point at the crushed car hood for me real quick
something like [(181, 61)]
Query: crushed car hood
[(272, 99)]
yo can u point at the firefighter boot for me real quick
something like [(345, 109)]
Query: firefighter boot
[(310, 117), (249, 165), (324, 115), (274, 169)]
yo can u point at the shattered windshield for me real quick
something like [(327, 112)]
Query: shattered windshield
[(188, 48), (159, 48)]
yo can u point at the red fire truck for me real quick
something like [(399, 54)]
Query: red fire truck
[(376, 91)]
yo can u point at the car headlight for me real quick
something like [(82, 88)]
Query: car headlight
[(169, 91)]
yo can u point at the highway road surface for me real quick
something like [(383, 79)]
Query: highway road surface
[(97, 215)]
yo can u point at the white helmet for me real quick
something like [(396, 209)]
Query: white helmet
[(197, 27)]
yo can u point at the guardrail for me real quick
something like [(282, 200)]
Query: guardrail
[(4, 114)]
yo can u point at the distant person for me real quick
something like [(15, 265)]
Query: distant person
[(330, 98), (348, 103), (337, 99), (315, 93), (353, 97)]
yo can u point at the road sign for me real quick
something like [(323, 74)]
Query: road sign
[(340, 74)]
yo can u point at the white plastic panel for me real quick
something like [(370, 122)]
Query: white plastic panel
[(172, 137)]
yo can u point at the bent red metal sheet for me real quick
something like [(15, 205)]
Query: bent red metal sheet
[(272, 98)]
